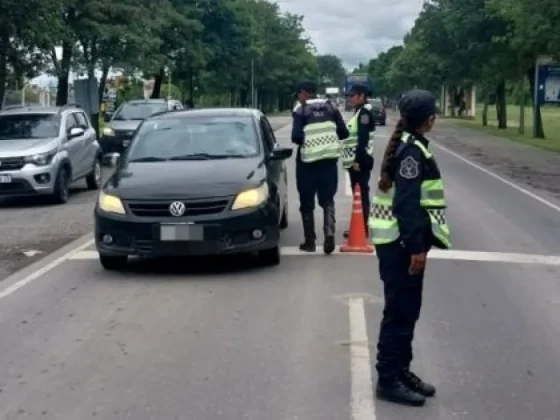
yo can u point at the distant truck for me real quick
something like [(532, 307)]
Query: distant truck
[(353, 79)]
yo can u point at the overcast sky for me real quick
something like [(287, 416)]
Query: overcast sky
[(355, 30)]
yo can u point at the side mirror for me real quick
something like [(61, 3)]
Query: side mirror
[(111, 160), (281, 153), (76, 132)]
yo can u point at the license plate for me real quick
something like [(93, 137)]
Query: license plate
[(5, 179), (181, 232)]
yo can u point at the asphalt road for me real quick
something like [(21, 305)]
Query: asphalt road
[(220, 339)]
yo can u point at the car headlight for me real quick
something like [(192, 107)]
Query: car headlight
[(108, 131), (41, 159), (251, 198), (110, 204)]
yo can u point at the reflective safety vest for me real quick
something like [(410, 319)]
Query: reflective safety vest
[(320, 142), (349, 145), (384, 226)]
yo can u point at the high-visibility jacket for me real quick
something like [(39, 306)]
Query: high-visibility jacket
[(320, 140), (350, 144), (384, 226)]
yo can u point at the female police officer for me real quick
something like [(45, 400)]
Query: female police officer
[(407, 219)]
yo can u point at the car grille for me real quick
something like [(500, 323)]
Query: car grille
[(193, 207), (124, 134), (11, 164)]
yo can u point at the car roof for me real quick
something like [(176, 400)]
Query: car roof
[(146, 101), (18, 110), (209, 112)]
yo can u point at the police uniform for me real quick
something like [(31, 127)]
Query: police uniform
[(359, 148), (406, 220), (317, 129)]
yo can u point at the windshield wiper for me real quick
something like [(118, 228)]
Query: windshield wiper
[(148, 159), (204, 156)]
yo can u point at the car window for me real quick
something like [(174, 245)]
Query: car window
[(268, 134), (82, 120), (71, 122), (139, 110), (375, 103), (183, 137), (29, 126)]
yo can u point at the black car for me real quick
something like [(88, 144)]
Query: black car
[(378, 111), (198, 182)]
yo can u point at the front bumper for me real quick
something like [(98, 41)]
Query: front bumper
[(226, 233), (29, 181), (114, 144)]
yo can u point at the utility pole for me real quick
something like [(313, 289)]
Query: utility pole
[(253, 105)]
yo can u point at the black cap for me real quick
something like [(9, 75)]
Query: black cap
[(417, 105), (306, 86), (359, 88)]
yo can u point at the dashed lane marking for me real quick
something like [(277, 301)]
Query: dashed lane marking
[(457, 255), (362, 402)]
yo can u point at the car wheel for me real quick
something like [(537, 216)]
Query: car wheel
[(61, 192), (93, 179), (113, 262), (284, 218), (270, 257)]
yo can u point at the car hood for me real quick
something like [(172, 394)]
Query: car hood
[(25, 147), (185, 179), (125, 125)]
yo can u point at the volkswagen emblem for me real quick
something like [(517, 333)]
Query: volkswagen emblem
[(177, 208)]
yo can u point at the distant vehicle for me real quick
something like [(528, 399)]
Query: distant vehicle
[(378, 111), (118, 132), (44, 149), (200, 182)]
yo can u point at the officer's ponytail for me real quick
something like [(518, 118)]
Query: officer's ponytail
[(386, 181)]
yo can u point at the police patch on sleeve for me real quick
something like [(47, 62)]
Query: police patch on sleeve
[(410, 168), (364, 118)]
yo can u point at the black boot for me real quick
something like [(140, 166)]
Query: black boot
[(329, 224), (308, 232), (396, 391), (413, 382)]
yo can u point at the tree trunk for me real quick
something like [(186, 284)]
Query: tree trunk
[(158, 80), (501, 110), (63, 74), (485, 111), (521, 128), (538, 130), (4, 46)]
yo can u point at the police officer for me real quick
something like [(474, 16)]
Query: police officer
[(358, 148), (407, 219), (317, 129)]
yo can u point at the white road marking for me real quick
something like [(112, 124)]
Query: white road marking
[(43, 270), (347, 184), (362, 402), (500, 178), (457, 255)]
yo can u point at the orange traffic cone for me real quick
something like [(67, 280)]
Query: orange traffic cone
[(357, 240)]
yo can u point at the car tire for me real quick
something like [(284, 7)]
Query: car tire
[(269, 257), (61, 192), (113, 262), (284, 219), (93, 179)]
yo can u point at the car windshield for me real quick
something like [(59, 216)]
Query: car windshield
[(376, 103), (194, 138), (29, 126), (139, 111)]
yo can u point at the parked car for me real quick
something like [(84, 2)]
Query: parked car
[(44, 149), (198, 182), (120, 126), (378, 110)]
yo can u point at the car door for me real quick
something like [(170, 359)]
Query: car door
[(74, 147), (89, 149), (277, 175)]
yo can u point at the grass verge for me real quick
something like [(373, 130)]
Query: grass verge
[(551, 124)]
